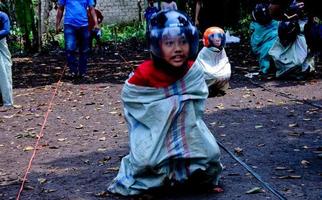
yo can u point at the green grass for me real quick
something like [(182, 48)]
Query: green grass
[(113, 32)]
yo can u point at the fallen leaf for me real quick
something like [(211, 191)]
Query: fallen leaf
[(213, 123), (112, 169), (86, 161), (294, 133), (17, 106), (246, 96), (42, 180), (290, 177), (293, 125), (27, 187), (281, 168), (61, 139), (238, 151), (49, 190), (258, 126), (305, 162), (28, 148), (102, 194), (254, 190), (280, 103), (101, 149), (80, 126), (220, 106), (104, 160)]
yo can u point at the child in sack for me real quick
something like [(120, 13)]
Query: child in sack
[(214, 61), (164, 102)]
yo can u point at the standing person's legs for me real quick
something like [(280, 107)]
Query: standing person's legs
[(91, 40), (83, 49), (98, 43), (70, 46)]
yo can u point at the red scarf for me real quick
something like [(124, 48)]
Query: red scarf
[(150, 76)]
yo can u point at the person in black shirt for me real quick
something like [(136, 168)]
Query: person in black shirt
[(279, 9), (210, 13)]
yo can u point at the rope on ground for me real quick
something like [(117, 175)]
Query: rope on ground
[(287, 96), (40, 135), (265, 184)]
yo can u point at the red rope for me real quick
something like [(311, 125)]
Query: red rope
[(40, 135)]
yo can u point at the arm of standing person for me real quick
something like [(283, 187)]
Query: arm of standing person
[(197, 11), (99, 16), (94, 17), (59, 16), (277, 8), (5, 30)]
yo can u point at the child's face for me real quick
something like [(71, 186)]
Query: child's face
[(216, 39), (175, 49), (150, 2)]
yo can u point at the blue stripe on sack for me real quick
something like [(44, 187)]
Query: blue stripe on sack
[(178, 142), (183, 132), (135, 125)]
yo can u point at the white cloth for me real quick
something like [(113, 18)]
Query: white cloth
[(293, 56), (231, 38), (5, 73), (169, 6), (215, 64)]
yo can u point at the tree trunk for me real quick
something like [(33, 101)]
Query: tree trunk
[(39, 25)]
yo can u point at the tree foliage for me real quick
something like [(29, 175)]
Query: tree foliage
[(26, 20)]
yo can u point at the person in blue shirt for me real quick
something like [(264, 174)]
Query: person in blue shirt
[(149, 11), (76, 32), (5, 63)]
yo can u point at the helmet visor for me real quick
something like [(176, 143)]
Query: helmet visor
[(217, 39), (170, 39)]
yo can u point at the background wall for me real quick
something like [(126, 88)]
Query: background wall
[(116, 11)]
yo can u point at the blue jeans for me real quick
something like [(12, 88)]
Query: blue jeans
[(76, 37)]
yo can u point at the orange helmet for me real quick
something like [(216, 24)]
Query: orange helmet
[(214, 37)]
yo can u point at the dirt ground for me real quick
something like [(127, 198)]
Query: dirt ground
[(274, 126)]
